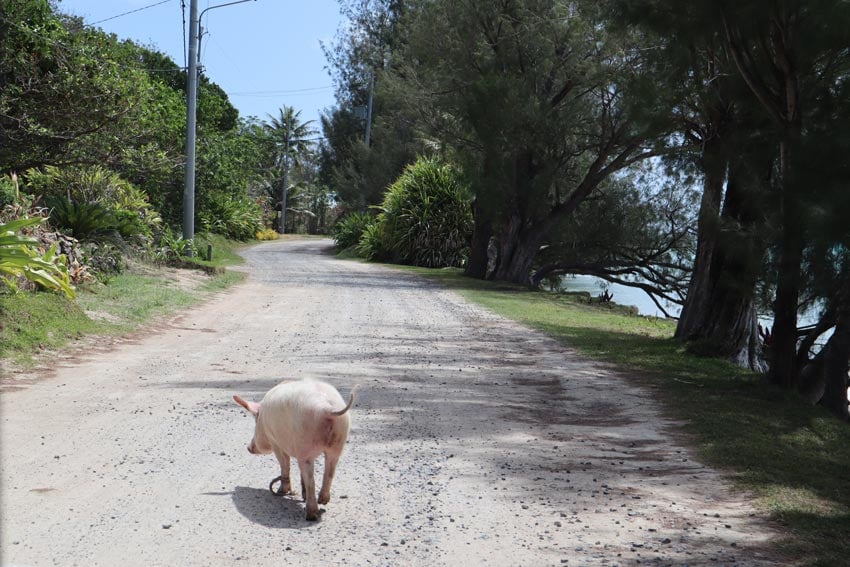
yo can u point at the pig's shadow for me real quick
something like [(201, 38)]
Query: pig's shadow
[(261, 507)]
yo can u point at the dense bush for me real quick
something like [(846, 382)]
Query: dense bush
[(86, 185), (95, 222), (236, 218), (371, 241), (8, 190), (267, 234), (425, 219), (348, 230), (103, 260), (169, 247)]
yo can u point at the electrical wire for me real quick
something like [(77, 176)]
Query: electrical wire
[(283, 92), (234, 66), (185, 56), (127, 13)]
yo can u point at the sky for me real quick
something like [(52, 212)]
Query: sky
[(263, 53)]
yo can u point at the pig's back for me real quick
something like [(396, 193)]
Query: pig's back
[(295, 417)]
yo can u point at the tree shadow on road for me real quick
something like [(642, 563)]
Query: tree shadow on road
[(261, 507)]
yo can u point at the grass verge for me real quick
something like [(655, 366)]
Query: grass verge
[(793, 458), (224, 252), (34, 323)]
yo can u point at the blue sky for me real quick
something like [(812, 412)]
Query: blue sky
[(258, 52)]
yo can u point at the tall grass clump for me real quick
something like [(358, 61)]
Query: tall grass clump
[(233, 217), (425, 218), (349, 229)]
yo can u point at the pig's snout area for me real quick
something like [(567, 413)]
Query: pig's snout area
[(251, 448)]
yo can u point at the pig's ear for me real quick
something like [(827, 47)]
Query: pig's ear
[(252, 407)]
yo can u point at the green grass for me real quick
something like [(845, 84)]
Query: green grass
[(132, 299), (31, 322), (793, 458), (35, 323), (224, 251)]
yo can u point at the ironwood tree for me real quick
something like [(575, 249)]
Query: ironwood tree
[(537, 101)]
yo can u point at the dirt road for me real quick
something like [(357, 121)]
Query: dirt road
[(475, 441)]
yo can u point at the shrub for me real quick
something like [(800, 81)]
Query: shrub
[(425, 219), (95, 184), (102, 260), (94, 222), (267, 234), (8, 190), (169, 247), (348, 230), (239, 219), (371, 241), (20, 257)]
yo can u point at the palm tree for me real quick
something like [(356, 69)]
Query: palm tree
[(292, 140)]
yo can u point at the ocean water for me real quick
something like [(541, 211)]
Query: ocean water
[(623, 295)]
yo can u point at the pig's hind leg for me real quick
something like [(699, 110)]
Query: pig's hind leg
[(308, 488), (286, 481), (331, 459)]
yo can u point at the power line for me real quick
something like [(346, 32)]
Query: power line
[(130, 12), (233, 64), (283, 92), (183, 10)]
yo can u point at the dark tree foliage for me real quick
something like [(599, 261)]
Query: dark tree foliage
[(654, 255), (793, 57), (711, 113), (364, 51), (541, 103), (65, 98)]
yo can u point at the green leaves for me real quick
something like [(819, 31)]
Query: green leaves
[(19, 257), (71, 96), (348, 231), (236, 218), (425, 219)]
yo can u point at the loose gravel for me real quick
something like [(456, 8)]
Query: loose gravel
[(475, 440)]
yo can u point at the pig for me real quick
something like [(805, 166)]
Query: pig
[(301, 419)]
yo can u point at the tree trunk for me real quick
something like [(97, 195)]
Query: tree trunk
[(722, 319), (696, 304), (835, 366), (783, 362), (517, 268), (515, 238), (476, 266), (517, 249)]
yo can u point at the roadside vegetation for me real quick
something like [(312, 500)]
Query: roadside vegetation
[(91, 192), (687, 149), (36, 325)]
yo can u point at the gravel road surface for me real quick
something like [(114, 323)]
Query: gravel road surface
[(475, 440)]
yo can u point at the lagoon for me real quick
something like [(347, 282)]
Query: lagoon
[(623, 295)]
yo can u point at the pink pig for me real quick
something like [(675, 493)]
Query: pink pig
[(301, 419)]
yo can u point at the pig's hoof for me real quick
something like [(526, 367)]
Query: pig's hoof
[(324, 498), (312, 517), (280, 491)]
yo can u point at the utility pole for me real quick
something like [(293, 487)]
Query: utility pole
[(369, 108), (285, 180), (191, 116), (192, 77)]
